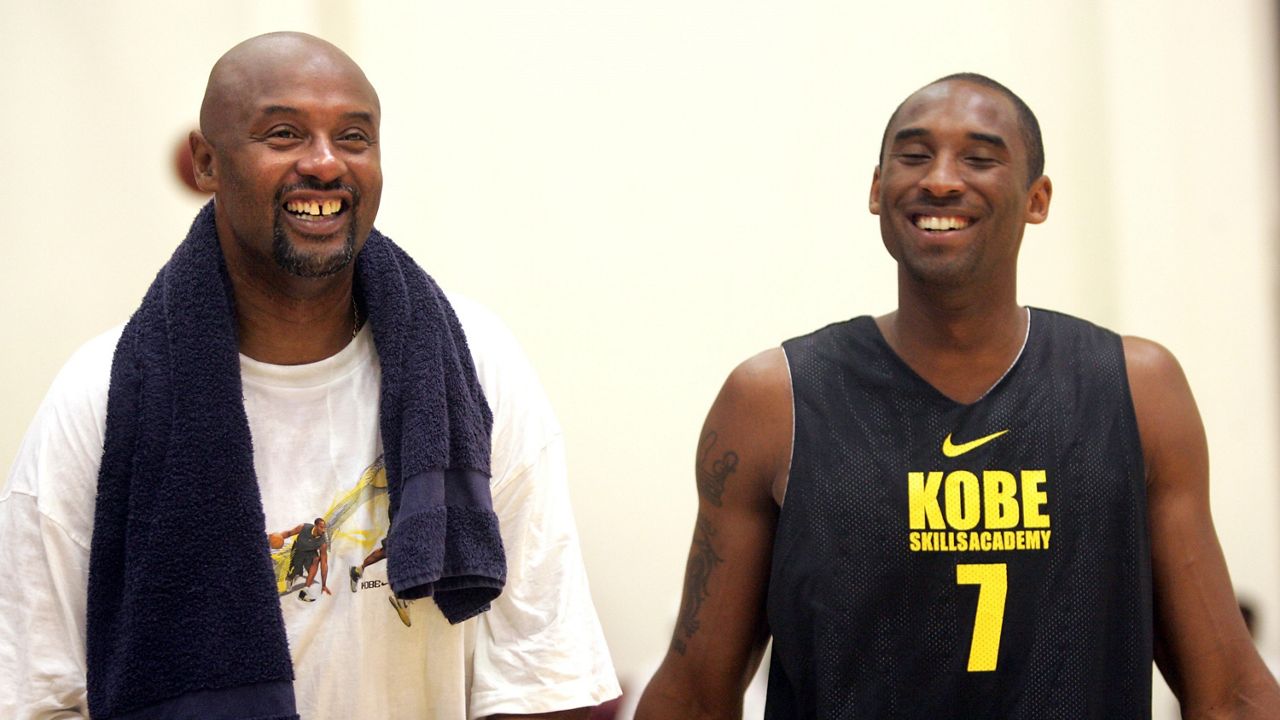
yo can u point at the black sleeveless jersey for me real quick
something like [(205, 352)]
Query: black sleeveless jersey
[(938, 560)]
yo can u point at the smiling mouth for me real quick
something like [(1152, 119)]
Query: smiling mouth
[(308, 209), (941, 223)]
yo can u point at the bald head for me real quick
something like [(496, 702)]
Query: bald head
[(255, 69)]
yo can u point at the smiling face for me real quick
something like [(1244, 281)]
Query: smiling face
[(952, 190), (289, 144)]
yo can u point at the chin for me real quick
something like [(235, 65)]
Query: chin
[(298, 262), (941, 273)]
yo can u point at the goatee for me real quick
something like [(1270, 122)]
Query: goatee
[(292, 259)]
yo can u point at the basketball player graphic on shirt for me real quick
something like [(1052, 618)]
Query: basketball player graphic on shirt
[(310, 552), (349, 508)]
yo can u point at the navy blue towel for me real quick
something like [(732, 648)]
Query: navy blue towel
[(183, 615)]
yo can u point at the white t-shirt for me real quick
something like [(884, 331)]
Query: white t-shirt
[(357, 652)]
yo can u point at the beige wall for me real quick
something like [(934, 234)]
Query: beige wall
[(651, 192)]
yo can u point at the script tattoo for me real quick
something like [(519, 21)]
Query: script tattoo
[(713, 475), (701, 562)]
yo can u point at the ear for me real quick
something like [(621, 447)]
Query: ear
[(203, 162), (1038, 200), (873, 202)]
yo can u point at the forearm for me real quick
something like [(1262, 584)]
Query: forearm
[(670, 695), (1255, 697), (668, 708)]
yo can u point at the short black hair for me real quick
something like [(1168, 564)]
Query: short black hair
[(1026, 121)]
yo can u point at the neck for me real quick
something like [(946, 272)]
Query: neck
[(299, 321), (961, 342)]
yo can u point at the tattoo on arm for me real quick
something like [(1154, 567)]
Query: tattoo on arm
[(712, 474), (703, 560)]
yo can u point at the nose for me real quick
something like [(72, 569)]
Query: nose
[(320, 161), (943, 177)]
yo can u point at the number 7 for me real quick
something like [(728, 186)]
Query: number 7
[(993, 584)]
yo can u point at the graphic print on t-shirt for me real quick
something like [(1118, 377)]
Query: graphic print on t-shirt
[(978, 509), (967, 510), (357, 583), (307, 552)]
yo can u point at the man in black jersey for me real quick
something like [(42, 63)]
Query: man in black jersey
[(991, 511)]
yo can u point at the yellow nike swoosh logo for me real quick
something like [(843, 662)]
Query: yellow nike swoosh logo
[(957, 450)]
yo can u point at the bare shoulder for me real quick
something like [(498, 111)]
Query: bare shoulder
[(1150, 362), (1169, 422), (753, 414), (762, 379)]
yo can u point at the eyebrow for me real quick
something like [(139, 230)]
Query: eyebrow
[(366, 117), (279, 110), (915, 132), (359, 115), (995, 140), (908, 133)]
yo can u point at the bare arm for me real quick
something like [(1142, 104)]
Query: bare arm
[(1202, 646), (745, 447)]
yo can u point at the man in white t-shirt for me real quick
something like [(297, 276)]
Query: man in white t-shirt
[(281, 109)]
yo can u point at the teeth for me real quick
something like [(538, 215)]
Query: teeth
[(313, 207), (928, 222)]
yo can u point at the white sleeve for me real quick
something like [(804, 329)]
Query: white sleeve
[(42, 605), (540, 648), (46, 522)]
